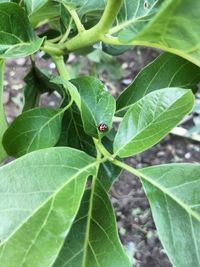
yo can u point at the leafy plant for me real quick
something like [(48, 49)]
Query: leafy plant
[(54, 204)]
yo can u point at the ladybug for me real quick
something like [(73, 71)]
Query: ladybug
[(102, 127)]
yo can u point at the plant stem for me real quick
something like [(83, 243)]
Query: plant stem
[(53, 49), (126, 167), (3, 121), (61, 67), (95, 34), (75, 17), (65, 36)]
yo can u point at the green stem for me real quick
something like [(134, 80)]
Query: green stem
[(61, 67), (66, 35), (95, 34), (53, 49), (76, 19), (3, 121), (126, 167)]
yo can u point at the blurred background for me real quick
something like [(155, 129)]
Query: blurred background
[(136, 227)]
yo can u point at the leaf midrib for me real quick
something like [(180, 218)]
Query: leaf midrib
[(167, 192), (49, 198), (153, 121)]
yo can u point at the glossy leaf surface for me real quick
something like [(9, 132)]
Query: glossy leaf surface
[(32, 130), (150, 119), (17, 38), (93, 240), (167, 70), (97, 104), (42, 191), (170, 29), (173, 192)]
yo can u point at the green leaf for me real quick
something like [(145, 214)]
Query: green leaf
[(150, 119), (43, 13), (84, 6), (133, 17), (93, 240), (40, 196), (3, 121), (17, 38), (173, 192), (174, 29), (73, 134), (97, 104), (32, 130), (39, 82), (167, 70), (34, 5)]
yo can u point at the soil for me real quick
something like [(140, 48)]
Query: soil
[(136, 226)]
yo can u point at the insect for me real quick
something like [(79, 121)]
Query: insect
[(102, 127)]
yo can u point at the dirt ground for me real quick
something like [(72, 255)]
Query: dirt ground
[(136, 227)]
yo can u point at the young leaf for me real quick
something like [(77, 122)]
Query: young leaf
[(32, 130), (173, 192), (93, 240), (40, 196), (17, 38), (97, 104), (3, 122), (167, 70), (150, 119)]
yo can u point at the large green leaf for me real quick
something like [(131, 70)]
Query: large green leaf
[(17, 38), (174, 28), (173, 192), (134, 16), (40, 195), (32, 130), (150, 119), (93, 240), (97, 104), (167, 70), (3, 122)]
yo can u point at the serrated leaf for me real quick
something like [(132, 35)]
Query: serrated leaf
[(97, 104), (34, 129), (40, 196), (3, 121), (173, 192), (150, 119), (93, 240), (17, 38), (167, 70)]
